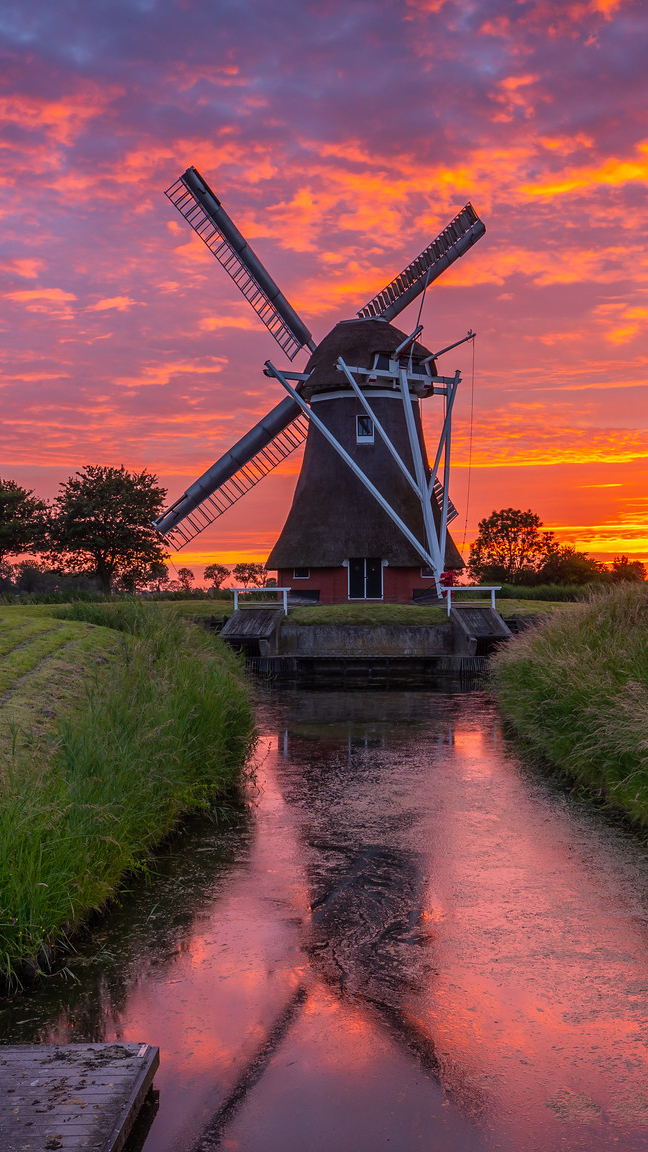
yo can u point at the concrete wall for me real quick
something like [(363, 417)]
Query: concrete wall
[(366, 640)]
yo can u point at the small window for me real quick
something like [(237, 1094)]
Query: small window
[(427, 573), (364, 430), (301, 573)]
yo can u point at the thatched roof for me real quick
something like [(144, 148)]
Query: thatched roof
[(357, 341), (333, 517)]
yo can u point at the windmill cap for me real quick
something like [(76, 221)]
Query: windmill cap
[(358, 342)]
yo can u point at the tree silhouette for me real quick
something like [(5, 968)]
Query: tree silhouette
[(101, 523), (186, 578), (625, 569), (510, 547), (248, 573), (22, 520), (216, 574)]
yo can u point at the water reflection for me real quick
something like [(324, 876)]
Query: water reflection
[(140, 938), (409, 942)]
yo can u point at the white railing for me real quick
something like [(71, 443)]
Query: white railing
[(285, 592), (492, 588)]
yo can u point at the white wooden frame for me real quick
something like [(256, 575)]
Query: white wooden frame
[(257, 603), (492, 588), (432, 549)]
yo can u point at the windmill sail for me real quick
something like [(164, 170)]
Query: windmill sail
[(461, 233), (195, 200), (257, 453), (437, 488)]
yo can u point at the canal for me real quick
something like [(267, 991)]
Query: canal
[(410, 940)]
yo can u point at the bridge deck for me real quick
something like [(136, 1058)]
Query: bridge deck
[(76, 1097)]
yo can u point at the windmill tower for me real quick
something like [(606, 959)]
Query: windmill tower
[(369, 515)]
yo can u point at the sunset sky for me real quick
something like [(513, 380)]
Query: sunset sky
[(341, 137)]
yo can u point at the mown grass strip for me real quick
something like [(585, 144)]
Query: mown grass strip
[(26, 656), (57, 687), (15, 631), (162, 728), (576, 690)]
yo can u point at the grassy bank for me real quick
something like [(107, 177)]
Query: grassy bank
[(114, 720), (576, 690)]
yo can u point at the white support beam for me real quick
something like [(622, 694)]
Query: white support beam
[(446, 465), (447, 424), (421, 479), (357, 471)]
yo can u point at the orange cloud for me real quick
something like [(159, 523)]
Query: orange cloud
[(28, 268), (63, 119), (52, 301), (523, 435), (55, 294), (623, 322), (184, 77), (610, 172), (564, 145), (244, 321), (118, 303), (159, 375), (514, 97)]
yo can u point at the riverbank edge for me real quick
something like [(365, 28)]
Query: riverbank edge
[(166, 728), (574, 691)]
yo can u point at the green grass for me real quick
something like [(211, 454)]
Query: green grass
[(530, 608), (45, 666), (142, 717), (373, 614), (18, 630), (31, 652), (554, 592), (363, 613), (576, 690)]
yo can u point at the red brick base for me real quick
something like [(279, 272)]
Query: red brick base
[(333, 584)]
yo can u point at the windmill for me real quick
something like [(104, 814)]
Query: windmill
[(370, 513)]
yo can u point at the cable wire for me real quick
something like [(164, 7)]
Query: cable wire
[(470, 442), (425, 288)]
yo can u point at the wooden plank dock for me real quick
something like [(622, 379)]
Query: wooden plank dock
[(74, 1097)]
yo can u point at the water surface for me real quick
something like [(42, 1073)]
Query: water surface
[(409, 941)]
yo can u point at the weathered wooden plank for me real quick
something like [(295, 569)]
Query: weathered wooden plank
[(252, 623), (72, 1097)]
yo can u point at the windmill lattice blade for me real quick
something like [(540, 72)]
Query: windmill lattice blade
[(226, 482), (195, 200), (437, 488), (461, 233)]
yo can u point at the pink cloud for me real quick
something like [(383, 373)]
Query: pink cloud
[(113, 303)]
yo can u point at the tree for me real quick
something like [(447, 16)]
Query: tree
[(249, 573), (216, 574), (23, 520), (510, 548), (7, 577), (625, 569), (158, 574), (186, 578), (567, 566), (141, 576), (101, 523)]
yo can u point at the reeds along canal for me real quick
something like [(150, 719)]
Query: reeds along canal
[(409, 941)]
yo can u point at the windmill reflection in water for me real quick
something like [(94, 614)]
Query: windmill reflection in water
[(365, 935)]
